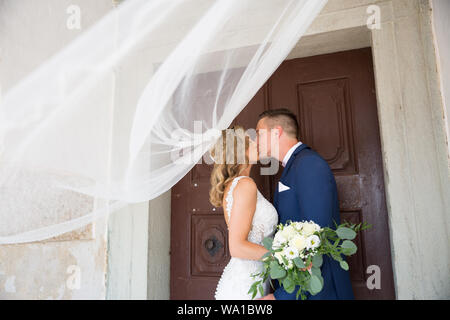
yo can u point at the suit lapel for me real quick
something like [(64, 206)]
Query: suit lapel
[(285, 170), (291, 160)]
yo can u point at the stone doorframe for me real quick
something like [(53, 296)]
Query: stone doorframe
[(414, 149)]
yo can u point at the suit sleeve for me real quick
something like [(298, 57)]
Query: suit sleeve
[(314, 190)]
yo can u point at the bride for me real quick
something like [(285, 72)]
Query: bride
[(248, 215)]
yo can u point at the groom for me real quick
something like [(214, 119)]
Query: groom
[(306, 191)]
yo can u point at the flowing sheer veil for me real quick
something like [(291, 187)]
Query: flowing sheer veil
[(125, 110)]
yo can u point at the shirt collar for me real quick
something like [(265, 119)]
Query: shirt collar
[(289, 153)]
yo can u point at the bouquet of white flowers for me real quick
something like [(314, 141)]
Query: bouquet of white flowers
[(295, 255)]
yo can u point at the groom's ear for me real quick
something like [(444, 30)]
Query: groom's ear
[(258, 124), (278, 131)]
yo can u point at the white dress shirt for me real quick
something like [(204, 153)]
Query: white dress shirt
[(289, 153)]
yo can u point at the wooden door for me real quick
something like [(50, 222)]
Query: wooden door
[(333, 97)]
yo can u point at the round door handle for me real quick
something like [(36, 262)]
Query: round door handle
[(212, 245), (209, 244)]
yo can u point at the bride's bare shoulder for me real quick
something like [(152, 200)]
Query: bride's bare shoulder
[(245, 187), (244, 195)]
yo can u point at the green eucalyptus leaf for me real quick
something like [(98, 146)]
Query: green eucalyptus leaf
[(288, 285), (267, 242), (317, 260), (316, 271), (315, 285), (336, 256), (299, 263), (346, 233), (321, 279), (276, 271), (348, 247), (344, 265)]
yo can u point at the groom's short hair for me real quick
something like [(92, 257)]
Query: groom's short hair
[(281, 117)]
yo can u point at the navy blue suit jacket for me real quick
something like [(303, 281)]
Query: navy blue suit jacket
[(312, 196)]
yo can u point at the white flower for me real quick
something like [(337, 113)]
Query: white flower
[(290, 252), (290, 265), (318, 228), (298, 242), (278, 256), (312, 242), (298, 225), (309, 228), (288, 232), (278, 240)]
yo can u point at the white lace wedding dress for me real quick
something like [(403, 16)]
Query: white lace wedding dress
[(236, 277)]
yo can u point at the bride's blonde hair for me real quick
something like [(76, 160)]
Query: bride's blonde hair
[(231, 159)]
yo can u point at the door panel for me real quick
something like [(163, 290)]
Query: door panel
[(199, 243), (333, 97)]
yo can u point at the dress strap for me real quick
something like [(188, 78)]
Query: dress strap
[(229, 198)]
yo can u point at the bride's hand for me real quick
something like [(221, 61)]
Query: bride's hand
[(309, 268)]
